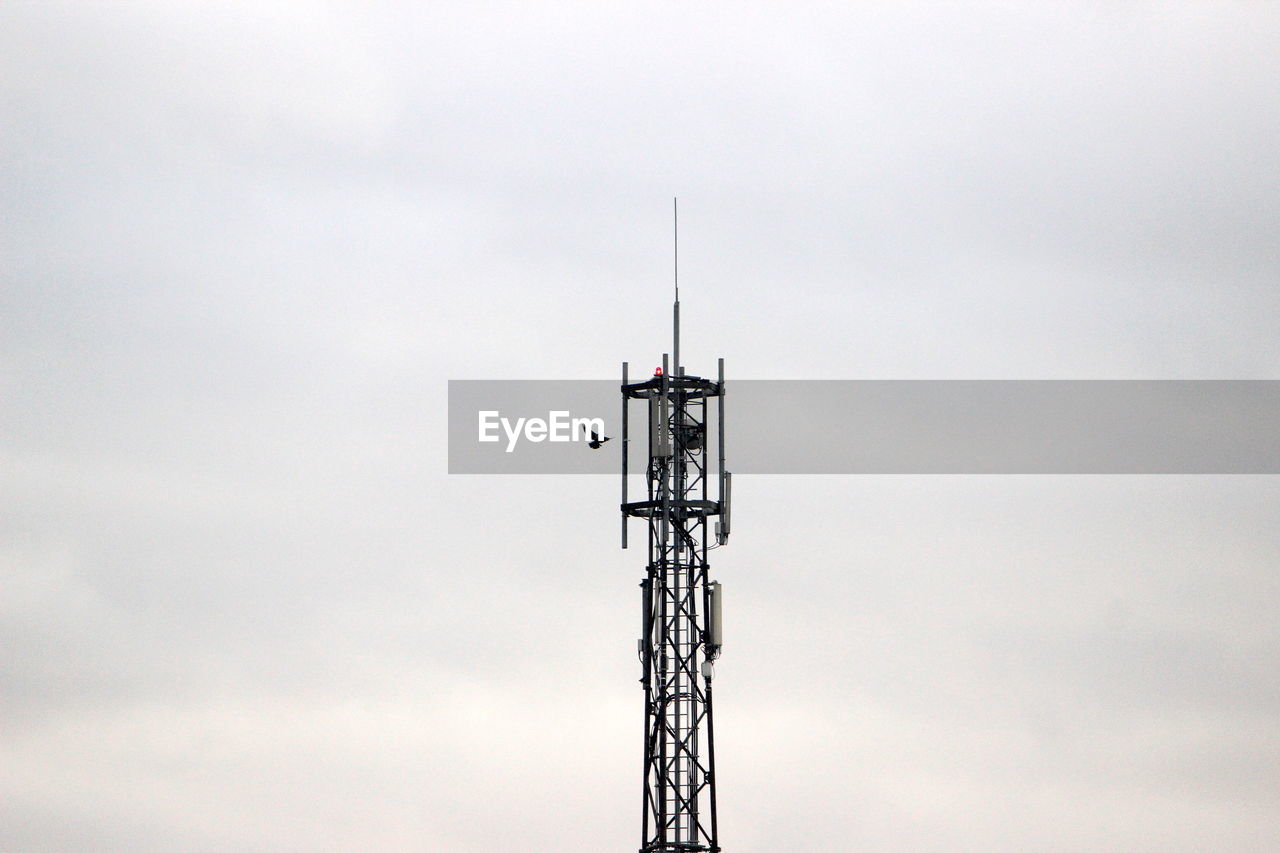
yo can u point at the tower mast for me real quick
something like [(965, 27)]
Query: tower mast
[(681, 630)]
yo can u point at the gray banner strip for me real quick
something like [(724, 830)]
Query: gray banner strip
[(892, 427)]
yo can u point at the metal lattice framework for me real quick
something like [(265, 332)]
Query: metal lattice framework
[(681, 607)]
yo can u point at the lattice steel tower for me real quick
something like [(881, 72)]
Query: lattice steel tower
[(681, 626)]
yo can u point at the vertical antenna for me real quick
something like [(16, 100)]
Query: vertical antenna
[(680, 630), (675, 254)]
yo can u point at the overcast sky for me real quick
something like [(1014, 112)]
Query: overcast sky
[(244, 245)]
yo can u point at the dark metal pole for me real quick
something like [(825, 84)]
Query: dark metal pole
[(626, 448), (711, 770), (646, 645), (675, 255), (664, 657)]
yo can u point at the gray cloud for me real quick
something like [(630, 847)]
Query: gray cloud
[(243, 248)]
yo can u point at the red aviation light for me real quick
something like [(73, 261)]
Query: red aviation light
[(657, 371)]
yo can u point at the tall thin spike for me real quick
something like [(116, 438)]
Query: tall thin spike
[(675, 319)]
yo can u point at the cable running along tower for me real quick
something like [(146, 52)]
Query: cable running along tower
[(681, 624)]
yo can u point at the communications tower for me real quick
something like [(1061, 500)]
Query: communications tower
[(681, 631)]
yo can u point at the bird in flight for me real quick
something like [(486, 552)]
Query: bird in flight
[(596, 440)]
